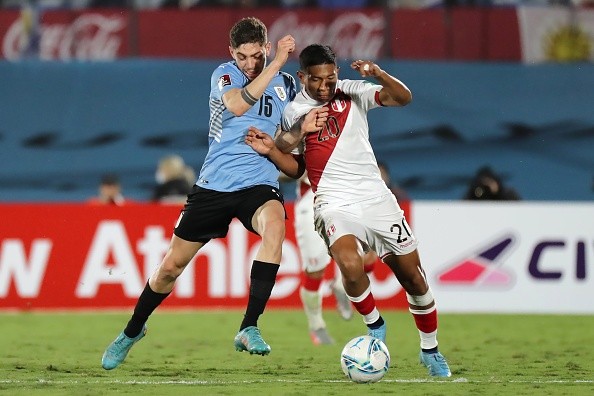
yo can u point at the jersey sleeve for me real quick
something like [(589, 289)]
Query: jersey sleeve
[(291, 115), (224, 78), (365, 93)]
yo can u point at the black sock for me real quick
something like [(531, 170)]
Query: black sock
[(146, 304), (377, 324), (430, 350), (262, 278)]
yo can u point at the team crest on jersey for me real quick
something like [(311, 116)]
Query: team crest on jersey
[(280, 92), (224, 80), (330, 230), (338, 105)]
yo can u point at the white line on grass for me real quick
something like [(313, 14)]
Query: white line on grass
[(296, 381)]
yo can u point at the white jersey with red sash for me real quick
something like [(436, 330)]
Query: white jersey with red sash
[(350, 194), (340, 161)]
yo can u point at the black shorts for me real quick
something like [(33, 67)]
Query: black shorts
[(208, 213)]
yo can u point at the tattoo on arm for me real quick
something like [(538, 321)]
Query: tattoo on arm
[(286, 141)]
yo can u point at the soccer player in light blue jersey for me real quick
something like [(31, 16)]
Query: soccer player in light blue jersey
[(234, 182)]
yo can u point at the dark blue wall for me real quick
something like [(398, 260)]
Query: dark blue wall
[(62, 125)]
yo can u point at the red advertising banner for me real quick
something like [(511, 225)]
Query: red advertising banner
[(205, 33), (456, 33), (419, 31), (65, 35), (65, 256), (371, 33), (353, 34), (188, 34)]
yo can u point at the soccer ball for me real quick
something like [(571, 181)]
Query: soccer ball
[(365, 359)]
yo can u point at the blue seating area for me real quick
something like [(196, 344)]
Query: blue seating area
[(63, 125)]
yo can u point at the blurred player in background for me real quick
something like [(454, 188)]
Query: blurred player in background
[(354, 209), (234, 182), (400, 194), (315, 260)]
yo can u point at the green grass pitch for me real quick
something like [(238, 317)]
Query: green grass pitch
[(191, 353)]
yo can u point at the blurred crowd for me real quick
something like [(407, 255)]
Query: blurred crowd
[(186, 4), (174, 180)]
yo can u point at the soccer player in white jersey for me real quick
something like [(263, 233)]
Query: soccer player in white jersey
[(315, 260), (354, 209), (234, 182)]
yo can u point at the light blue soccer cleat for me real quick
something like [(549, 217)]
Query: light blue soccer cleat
[(249, 339), (379, 333), (436, 363), (116, 352)]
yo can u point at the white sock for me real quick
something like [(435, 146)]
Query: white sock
[(312, 305)]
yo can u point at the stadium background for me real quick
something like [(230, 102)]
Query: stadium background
[(96, 91)]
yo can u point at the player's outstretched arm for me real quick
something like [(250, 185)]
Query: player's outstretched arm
[(291, 165), (312, 122), (394, 91), (238, 101)]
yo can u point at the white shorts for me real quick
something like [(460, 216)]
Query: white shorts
[(313, 250), (379, 224)]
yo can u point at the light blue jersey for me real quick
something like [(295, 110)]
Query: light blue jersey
[(230, 164)]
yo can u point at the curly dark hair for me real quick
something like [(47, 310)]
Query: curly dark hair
[(248, 30)]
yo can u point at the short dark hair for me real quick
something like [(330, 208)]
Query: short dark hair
[(248, 30), (316, 54)]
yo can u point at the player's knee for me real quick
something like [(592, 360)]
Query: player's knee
[(351, 267), (171, 269), (273, 231), (414, 283), (353, 278)]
